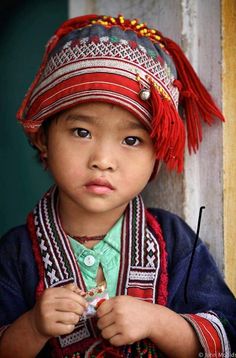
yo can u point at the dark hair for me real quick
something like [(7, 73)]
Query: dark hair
[(44, 127)]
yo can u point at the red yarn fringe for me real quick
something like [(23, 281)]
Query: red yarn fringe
[(168, 131), (196, 100)]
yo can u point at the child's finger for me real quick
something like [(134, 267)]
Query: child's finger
[(69, 305), (68, 318), (62, 329), (105, 308), (110, 332), (106, 321), (65, 293), (101, 302), (74, 288)]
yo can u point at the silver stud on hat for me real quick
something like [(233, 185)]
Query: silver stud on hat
[(145, 94)]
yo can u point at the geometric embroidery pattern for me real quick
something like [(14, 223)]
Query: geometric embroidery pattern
[(142, 248), (134, 59)]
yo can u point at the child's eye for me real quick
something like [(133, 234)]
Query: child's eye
[(132, 141), (81, 132)]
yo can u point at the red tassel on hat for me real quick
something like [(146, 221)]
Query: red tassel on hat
[(168, 131), (196, 100)]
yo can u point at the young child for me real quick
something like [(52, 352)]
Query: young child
[(103, 113)]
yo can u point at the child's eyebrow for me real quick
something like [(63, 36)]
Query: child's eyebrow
[(80, 117), (93, 119), (134, 125)]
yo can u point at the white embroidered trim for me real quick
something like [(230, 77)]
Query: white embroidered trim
[(215, 321), (74, 337)]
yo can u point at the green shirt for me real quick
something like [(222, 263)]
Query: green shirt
[(105, 253)]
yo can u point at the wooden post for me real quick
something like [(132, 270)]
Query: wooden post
[(229, 138)]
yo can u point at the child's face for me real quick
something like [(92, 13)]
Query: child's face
[(100, 156)]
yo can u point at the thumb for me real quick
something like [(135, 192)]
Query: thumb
[(74, 288)]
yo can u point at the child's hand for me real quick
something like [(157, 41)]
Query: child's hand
[(124, 320), (57, 311)]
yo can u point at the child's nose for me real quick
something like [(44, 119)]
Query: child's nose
[(103, 159)]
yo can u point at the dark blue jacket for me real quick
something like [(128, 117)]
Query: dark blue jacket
[(206, 290)]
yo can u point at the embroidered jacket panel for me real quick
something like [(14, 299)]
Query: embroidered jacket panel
[(206, 289)]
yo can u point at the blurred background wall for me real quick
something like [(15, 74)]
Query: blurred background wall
[(25, 29)]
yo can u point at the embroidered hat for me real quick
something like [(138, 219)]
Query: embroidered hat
[(115, 60)]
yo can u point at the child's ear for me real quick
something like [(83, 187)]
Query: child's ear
[(40, 141)]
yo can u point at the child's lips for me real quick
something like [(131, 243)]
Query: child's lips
[(99, 186)]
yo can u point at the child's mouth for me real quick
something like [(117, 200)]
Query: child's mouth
[(99, 186)]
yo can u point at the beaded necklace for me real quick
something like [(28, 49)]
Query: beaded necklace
[(85, 239)]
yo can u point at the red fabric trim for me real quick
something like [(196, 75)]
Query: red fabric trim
[(37, 254), (84, 82), (207, 334), (163, 279), (142, 293), (79, 84)]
